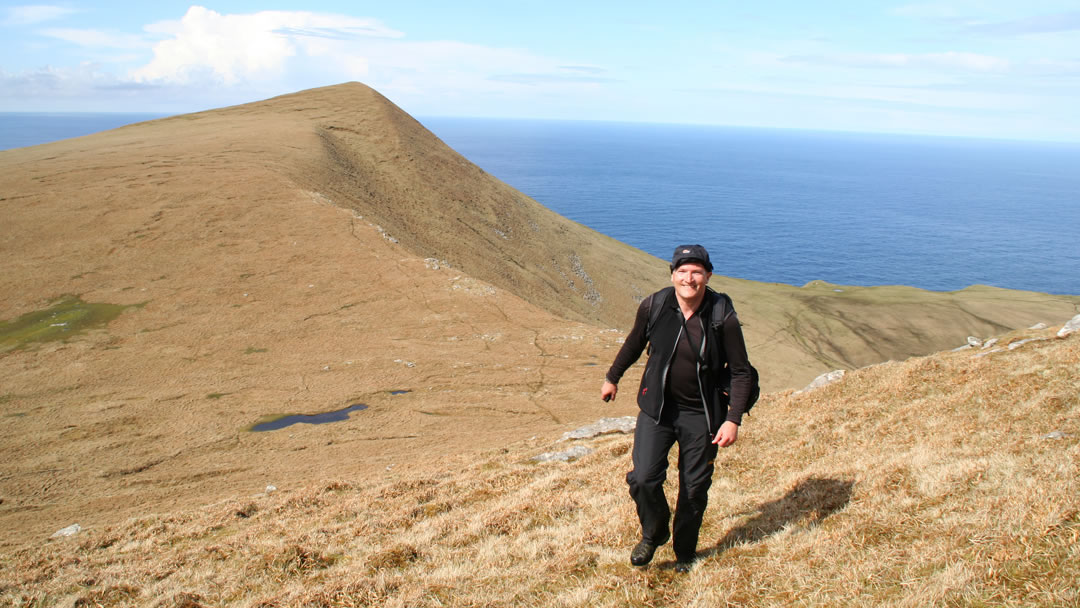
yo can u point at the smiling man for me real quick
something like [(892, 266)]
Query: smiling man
[(684, 398)]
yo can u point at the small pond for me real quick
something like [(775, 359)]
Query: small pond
[(323, 418)]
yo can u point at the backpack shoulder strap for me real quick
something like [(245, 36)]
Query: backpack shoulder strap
[(657, 301), (722, 309)]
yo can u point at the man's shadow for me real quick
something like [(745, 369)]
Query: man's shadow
[(809, 502)]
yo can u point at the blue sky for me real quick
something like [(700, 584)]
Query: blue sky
[(983, 68)]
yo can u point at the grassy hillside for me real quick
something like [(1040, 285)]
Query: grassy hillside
[(927, 482), (170, 284)]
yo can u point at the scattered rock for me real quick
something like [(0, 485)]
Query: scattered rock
[(990, 342), (592, 296), (1055, 435), (564, 456), (385, 235), (989, 352), (602, 426), (270, 489), (960, 348), (1038, 326), (434, 264), (974, 342), (1070, 327), (71, 530), (823, 379), (1019, 343)]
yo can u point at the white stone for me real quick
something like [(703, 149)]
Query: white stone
[(823, 379), (1070, 327), (270, 489), (566, 455), (71, 530), (960, 348), (1038, 326), (990, 342), (1018, 344), (1055, 435), (624, 424), (974, 342), (989, 352)]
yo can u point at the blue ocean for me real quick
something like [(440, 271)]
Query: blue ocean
[(792, 206), (775, 205), (21, 129)]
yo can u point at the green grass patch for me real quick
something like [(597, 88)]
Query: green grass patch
[(67, 317), (217, 395), (251, 350)]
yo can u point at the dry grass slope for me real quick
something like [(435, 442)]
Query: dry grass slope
[(924, 482), (287, 257)]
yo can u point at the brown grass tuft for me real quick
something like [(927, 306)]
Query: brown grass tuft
[(113, 595), (394, 557)]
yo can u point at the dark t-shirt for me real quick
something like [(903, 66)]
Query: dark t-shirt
[(682, 386)]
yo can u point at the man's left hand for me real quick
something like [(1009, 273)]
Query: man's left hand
[(728, 433)]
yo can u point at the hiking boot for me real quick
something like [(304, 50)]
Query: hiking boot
[(684, 564), (642, 553)]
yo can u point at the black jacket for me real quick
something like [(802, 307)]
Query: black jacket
[(724, 362)]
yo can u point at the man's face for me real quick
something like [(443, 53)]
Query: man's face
[(690, 280)]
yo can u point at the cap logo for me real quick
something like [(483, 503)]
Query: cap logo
[(686, 251)]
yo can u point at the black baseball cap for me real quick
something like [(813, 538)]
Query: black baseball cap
[(690, 253)]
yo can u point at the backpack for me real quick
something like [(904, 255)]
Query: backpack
[(722, 309)]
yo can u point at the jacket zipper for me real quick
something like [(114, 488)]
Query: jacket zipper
[(701, 389), (663, 377)]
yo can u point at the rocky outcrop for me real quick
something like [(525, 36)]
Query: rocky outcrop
[(565, 455), (601, 427), (71, 530), (823, 379), (1070, 327)]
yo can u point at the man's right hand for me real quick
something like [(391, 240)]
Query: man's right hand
[(608, 392)]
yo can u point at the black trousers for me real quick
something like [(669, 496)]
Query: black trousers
[(652, 442)]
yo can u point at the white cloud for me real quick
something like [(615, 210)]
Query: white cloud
[(208, 59), (33, 14), (238, 48), (274, 52)]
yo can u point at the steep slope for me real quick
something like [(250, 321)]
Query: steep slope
[(945, 480), (377, 160)]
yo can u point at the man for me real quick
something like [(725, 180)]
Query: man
[(682, 400)]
